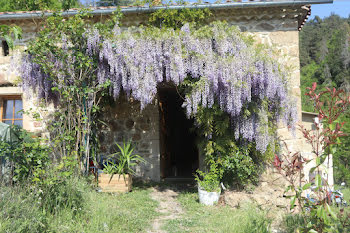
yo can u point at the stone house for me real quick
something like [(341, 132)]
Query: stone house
[(161, 131)]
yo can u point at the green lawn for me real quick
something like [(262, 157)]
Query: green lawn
[(131, 212), (101, 212), (199, 218)]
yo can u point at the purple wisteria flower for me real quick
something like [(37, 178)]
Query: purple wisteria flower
[(229, 72)]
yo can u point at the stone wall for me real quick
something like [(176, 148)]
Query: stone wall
[(277, 27), (123, 121), (287, 45), (326, 169)]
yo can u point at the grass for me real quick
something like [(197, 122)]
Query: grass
[(292, 222), (199, 218), (100, 212), (131, 212), (346, 192)]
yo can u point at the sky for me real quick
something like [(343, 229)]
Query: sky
[(339, 7)]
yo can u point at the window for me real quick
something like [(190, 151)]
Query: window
[(11, 110)]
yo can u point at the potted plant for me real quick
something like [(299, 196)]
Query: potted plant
[(117, 175), (209, 185)]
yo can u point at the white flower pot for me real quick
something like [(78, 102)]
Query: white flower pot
[(208, 198)]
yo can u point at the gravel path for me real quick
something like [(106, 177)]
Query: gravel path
[(169, 208)]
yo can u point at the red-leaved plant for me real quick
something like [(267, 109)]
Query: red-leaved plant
[(315, 209)]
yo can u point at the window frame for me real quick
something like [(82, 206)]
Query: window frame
[(10, 97)]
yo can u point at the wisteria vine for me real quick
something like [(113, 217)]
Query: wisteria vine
[(228, 68)]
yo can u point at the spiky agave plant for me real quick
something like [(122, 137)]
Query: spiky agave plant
[(127, 159)]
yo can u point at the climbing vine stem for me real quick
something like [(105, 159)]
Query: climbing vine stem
[(73, 64)]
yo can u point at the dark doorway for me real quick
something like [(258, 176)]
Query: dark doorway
[(179, 153)]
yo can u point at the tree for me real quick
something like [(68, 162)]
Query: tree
[(325, 59)]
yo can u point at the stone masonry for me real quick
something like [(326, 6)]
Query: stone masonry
[(275, 26), (122, 122)]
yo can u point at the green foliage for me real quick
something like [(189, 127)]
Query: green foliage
[(341, 156), (318, 216), (198, 218), (325, 42), (177, 18), (27, 208), (28, 156), (10, 33), (210, 180), (56, 189), (30, 164), (20, 211), (126, 160), (100, 212), (240, 163), (291, 223), (33, 5), (73, 125), (325, 59), (111, 168), (239, 168), (56, 193)]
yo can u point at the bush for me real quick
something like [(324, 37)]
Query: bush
[(210, 181), (239, 169), (238, 160), (292, 223), (28, 155)]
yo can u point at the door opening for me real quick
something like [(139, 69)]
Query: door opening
[(179, 152)]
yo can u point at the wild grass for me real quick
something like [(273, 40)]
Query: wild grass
[(99, 212), (346, 192), (199, 218), (293, 222)]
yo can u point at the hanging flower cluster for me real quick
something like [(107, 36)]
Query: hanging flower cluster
[(229, 71)]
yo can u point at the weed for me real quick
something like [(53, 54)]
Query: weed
[(199, 218)]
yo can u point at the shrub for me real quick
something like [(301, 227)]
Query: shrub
[(239, 168), (238, 160), (317, 215), (210, 181), (28, 155)]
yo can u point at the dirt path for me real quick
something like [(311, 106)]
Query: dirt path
[(169, 208)]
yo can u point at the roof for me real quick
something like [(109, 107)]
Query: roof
[(20, 15)]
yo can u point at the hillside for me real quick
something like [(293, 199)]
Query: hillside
[(325, 59)]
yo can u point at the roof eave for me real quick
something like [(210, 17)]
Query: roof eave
[(130, 10)]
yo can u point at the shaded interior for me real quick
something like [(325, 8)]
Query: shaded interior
[(179, 152)]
